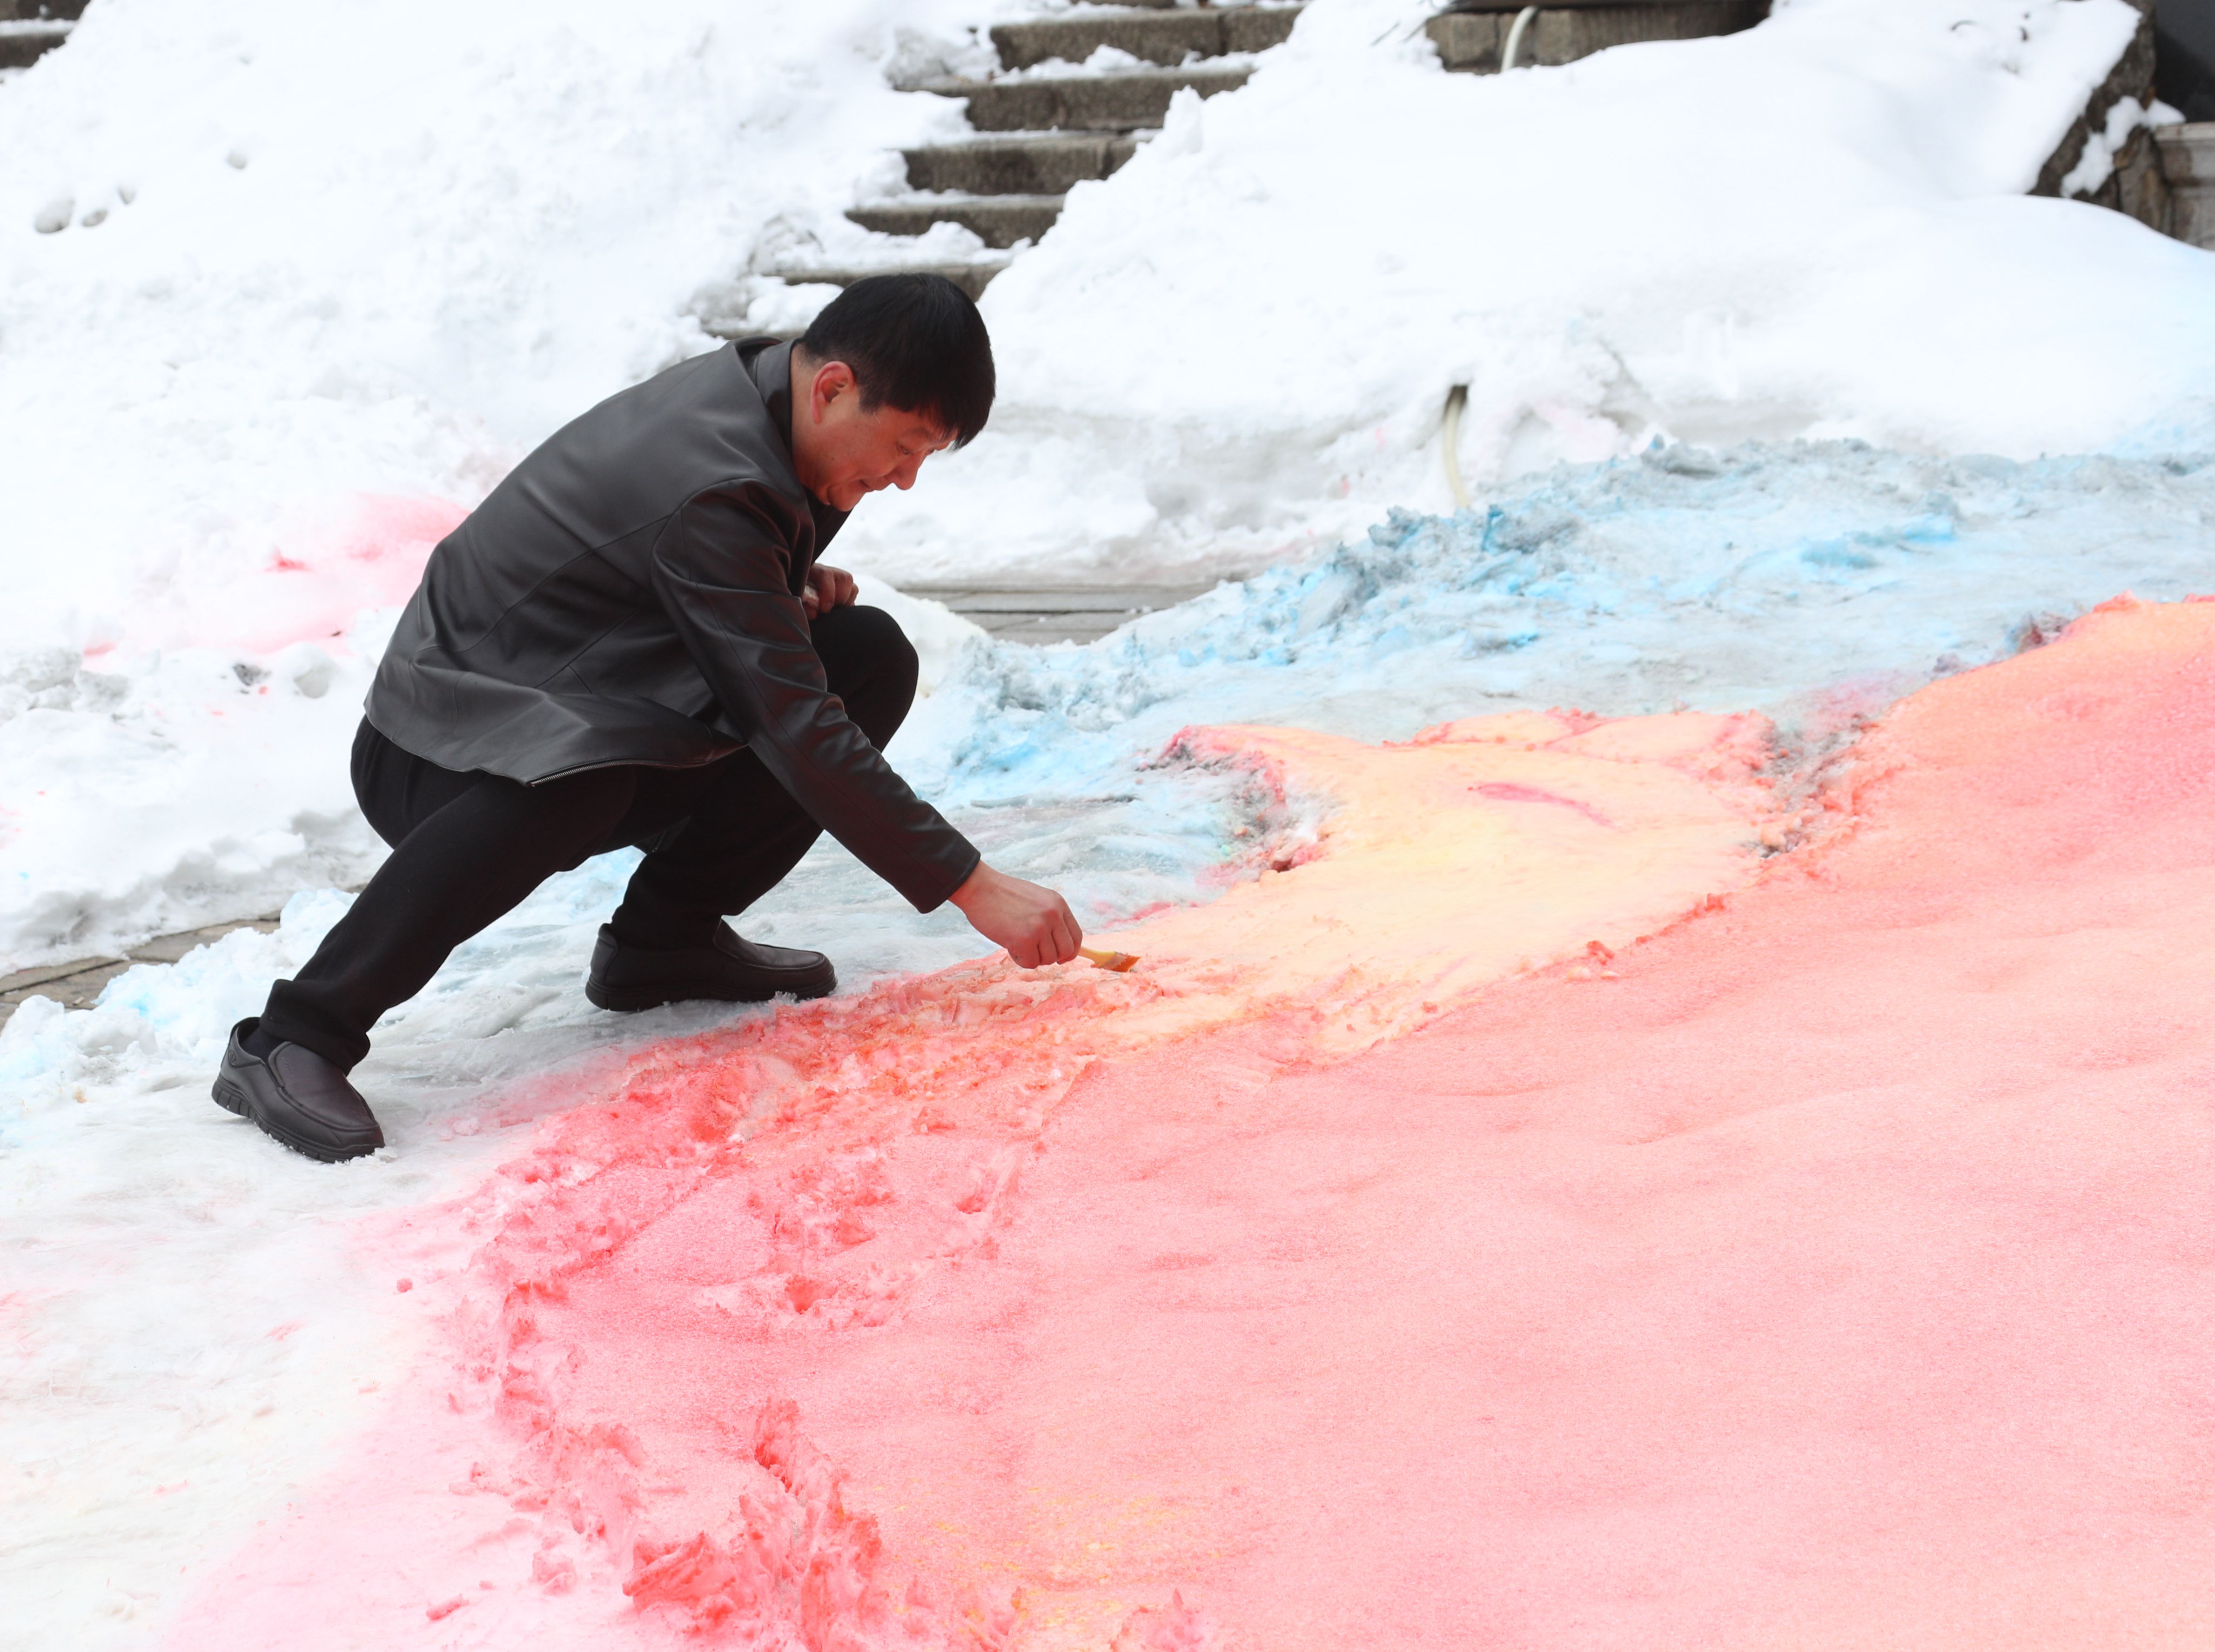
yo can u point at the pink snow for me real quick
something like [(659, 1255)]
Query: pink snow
[(1827, 1267), (355, 552)]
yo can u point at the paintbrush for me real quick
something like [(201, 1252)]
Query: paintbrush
[(1118, 962)]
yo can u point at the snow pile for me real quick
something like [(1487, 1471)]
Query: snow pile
[(327, 271), (319, 251), (1812, 228)]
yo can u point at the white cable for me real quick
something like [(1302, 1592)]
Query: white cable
[(1515, 38)]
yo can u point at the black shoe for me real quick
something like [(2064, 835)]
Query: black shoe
[(297, 1097), (729, 968)]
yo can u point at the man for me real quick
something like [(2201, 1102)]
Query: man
[(631, 642)]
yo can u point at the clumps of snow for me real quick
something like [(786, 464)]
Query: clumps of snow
[(55, 679), (1104, 60), (174, 790), (919, 56), (1813, 581), (158, 1025)]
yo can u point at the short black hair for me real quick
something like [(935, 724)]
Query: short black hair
[(916, 341)]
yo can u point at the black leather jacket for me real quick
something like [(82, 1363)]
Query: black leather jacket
[(631, 594)]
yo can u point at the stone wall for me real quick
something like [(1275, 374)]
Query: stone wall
[(2135, 186)]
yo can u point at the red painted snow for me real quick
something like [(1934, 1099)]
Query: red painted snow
[(1831, 1270)]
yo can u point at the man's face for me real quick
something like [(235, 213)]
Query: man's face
[(841, 452)]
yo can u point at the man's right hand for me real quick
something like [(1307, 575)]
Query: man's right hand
[(1033, 922)]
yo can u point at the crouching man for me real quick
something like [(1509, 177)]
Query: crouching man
[(631, 642)]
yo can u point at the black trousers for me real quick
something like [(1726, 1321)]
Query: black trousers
[(467, 847)]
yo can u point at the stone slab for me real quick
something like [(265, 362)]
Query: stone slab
[(1042, 615), (999, 221), (972, 277), (76, 984), (22, 44), (1113, 103), (1470, 42), (1039, 164), (1158, 35)]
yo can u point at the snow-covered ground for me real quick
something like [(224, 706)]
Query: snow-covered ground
[(324, 271), (1764, 346)]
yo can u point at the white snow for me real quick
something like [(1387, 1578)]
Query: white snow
[(1764, 345)]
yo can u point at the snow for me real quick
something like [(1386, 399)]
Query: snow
[(1237, 349), (1782, 399), (321, 284)]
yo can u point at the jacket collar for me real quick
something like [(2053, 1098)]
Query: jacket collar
[(771, 364)]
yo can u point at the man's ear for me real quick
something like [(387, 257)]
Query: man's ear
[(832, 380)]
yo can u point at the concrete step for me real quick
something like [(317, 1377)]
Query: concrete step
[(972, 276), (76, 985), (999, 221), (1469, 38), (22, 44), (1116, 103), (1043, 164), (1155, 34), (1034, 614)]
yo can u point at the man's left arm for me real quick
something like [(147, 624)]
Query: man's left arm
[(720, 571)]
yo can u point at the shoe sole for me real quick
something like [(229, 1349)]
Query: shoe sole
[(629, 1001), (232, 1099)]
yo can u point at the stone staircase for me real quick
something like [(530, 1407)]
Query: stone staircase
[(1039, 134), (31, 28)]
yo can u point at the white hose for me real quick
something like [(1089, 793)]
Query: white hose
[(1515, 38), (1457, 399)]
